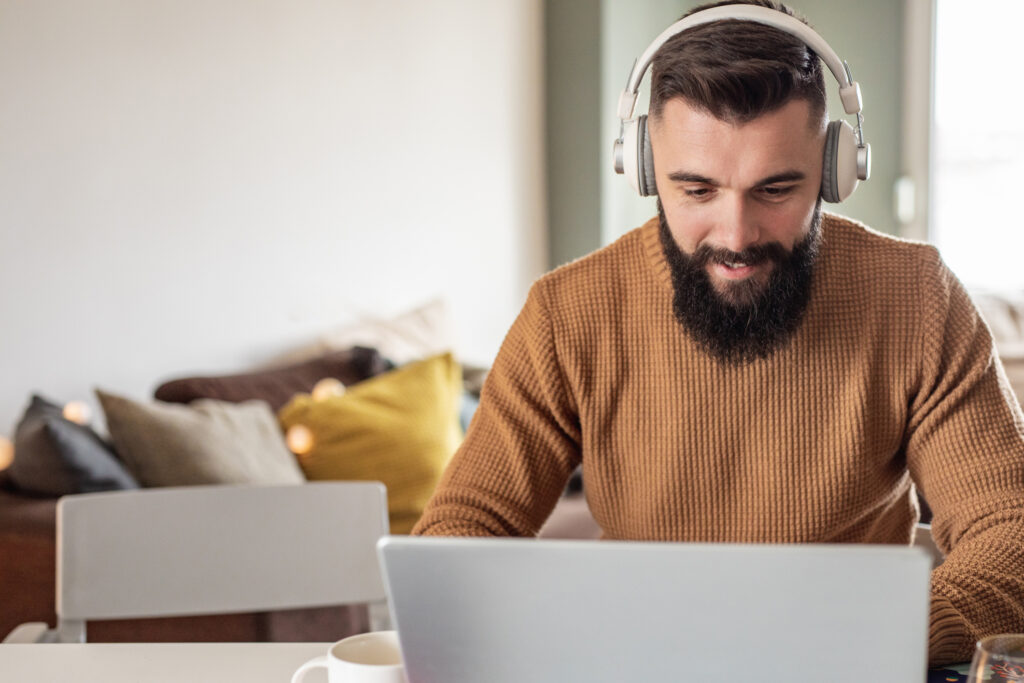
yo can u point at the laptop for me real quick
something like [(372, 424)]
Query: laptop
[(533, 611)]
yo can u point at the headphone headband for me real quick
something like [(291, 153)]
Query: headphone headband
[(849, 90), (847, 156)]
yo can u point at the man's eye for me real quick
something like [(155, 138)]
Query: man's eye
[(777, 190), (697, 192)]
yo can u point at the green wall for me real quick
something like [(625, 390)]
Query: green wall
[(589, 207), (627, 28), (869, 35), (573, 104)]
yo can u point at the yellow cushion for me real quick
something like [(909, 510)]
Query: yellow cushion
[(399, 428)]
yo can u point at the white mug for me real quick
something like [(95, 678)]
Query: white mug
[(367, 658)]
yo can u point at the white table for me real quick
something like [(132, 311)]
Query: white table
[(158, 662)]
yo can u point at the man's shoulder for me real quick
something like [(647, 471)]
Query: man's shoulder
[(617, 266), (852, 233), (867, 275), (855, 247)]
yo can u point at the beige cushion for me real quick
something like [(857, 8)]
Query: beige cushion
[(1004, 313), (205, 442), (424, 331), (1015, 373)]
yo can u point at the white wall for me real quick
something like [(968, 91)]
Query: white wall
[(197, 185)]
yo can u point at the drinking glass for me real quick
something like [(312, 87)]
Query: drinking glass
[(998, 659)]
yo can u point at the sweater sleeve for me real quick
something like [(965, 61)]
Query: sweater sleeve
[(965, 450), (521, 446)]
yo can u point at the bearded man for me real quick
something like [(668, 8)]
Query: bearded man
[(747, 368)]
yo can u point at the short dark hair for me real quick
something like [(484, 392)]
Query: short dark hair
[(737, 70)]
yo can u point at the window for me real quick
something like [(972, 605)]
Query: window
[(977, 186)]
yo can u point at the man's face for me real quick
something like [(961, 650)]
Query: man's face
[(740, 219), (740, 193)]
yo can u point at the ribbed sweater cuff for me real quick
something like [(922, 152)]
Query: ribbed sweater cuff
[(948, 639)]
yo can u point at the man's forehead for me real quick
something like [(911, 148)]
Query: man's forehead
[(793, 112), (687, 140)]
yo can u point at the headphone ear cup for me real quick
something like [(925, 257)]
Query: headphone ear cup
[(645, 161), (829, 190), (630, 143), (839, 163)]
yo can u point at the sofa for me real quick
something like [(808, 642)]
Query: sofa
[(29, 493), (232, 429), (27, 544), (27, 523)]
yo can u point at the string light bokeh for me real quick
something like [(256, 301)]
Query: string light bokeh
[(6, 452), (78, 412), (327, 388), (299, 439)]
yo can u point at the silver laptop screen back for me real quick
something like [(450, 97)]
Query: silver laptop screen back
[(515, 610)]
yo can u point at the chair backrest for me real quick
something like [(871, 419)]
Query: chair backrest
[(216, 550), (923, 539)]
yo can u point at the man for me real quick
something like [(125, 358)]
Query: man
[(745, 368)]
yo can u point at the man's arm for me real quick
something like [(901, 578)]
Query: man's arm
[(521, 446), (965, 450)]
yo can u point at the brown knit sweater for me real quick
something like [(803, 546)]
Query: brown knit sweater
[(892, 379)]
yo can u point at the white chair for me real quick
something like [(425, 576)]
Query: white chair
[(214, 550), (923, 539)]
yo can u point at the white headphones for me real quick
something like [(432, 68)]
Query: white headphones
[(847, 157)]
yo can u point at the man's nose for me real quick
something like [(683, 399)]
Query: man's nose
[(738, 227)]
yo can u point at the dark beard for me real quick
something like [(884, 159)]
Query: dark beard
[(748, 321)]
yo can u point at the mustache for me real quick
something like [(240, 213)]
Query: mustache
[(752, 255)]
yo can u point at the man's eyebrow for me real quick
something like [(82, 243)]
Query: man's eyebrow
[(784, 177), (687, 177)]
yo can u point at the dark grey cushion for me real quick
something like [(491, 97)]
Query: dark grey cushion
[(54, 456)]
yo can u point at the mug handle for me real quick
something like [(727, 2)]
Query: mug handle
[(314, 663)]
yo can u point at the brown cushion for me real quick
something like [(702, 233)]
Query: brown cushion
[(277, 386)]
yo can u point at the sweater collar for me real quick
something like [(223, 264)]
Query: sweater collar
[(655, 255)]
